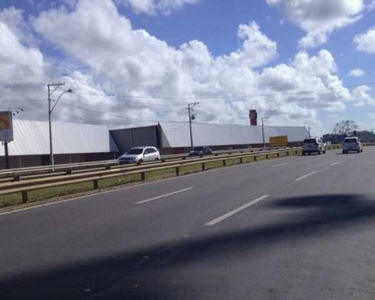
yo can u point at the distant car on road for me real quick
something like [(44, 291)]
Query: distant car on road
[(352, 144), (200, 151), (313, 145), (139, 155)]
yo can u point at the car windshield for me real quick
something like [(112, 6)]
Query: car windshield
[(309, 141), (134, 151), (350, 140), (198, 148)]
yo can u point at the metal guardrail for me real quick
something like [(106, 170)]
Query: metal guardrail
[(40, 183), (15, 174)]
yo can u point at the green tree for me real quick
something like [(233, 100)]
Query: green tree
[(345, 127)]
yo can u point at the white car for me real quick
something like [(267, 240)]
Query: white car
[(352, 144), (139, 155), (313, 145)]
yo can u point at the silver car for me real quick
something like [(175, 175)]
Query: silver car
[(313, 145), (139, 155), (352, 144)]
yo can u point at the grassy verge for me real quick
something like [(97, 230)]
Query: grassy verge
[(82, 188)]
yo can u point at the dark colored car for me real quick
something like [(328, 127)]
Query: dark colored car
[(200, 151)]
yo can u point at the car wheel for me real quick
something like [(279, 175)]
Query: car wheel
[(140, 161), (309, 153), (319, 152), (303, 153)]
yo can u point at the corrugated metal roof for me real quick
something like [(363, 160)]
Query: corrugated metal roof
[(177, 135), (32, 138)]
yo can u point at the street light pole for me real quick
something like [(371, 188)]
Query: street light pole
[(190, 108), (50, 110), (263, 119)]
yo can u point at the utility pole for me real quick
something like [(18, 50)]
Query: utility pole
[(191, 118), (56, 86), (6, 154), (263, 119)]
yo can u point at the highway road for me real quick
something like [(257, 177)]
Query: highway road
[(290, 228)]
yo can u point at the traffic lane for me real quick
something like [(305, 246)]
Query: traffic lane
[(74, 221), (320, 240), (282, 260), (343, 175), (316, 242), (105, 209), (101, 205), (165, 247)]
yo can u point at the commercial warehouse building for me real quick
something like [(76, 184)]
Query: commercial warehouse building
[(72, 143), (174, 137)]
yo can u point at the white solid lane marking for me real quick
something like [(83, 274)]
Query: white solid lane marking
[(235, 211), (304, 176), (279, 165), (163, 196), (336, 163), (351, 157)]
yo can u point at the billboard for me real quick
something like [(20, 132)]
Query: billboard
[(253, 117), (6, 126), (278, 141)]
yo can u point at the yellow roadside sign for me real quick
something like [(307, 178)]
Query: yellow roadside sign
[(277, 141)]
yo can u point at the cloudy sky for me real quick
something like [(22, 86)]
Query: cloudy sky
[(134, 62)]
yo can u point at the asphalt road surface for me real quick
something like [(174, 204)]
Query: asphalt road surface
[(289, 228)]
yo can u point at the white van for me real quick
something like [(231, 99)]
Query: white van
[(352, 144)]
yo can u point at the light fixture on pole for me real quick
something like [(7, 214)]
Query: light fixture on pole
[(264, 119), (191, 118), (50, 110)]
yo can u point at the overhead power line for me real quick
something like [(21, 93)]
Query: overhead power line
[(24, 100), (113, 115), (219, 97), (227, 97)]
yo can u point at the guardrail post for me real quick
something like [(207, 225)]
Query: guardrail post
[(267, 156), (241, 160), (108, 167), (69, 172), (224, 163), (96, 184), (255, 158), (24, 197), (278, 154), (17, 177), (177, 171), (143, 176), (287, 153), (203, 166)]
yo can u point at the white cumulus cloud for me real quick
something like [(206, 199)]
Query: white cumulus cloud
[(319, 18), (131, 76), (152, 7), (356, 73), (366, 42), (361, 96)]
